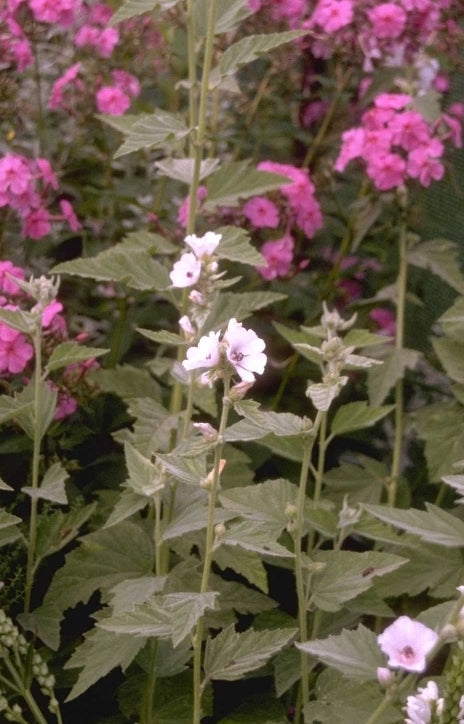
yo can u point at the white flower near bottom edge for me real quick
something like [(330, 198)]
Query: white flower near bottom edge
[(205, 354), (244, 350), (421, 707), (407, 644)]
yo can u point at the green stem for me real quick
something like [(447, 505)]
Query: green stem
[(189, 409), (146, 714), (37, 341), (209, 551), (399, 343), (191, 70), (25, 693), (158, 538), (319, 472)]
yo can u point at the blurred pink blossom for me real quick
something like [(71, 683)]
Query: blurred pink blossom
[(279, 256), (112, 100), (261, 213)]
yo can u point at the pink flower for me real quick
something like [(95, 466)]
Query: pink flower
[(385, 319), (66, 406), (37, 224), (424, 165), (15, 350), (244, 350), (186, 272), (205, 355), (7, 285), (407, 644), (396, 101), (278, 255), (70, 216), (388, 20), (352, 147), (386, 171), (261, 213), (127, 82), (409, 130), (50, 312), (106, 42), (15, 175), (48, 175), (56, 98), (331, 15), (112, 100)]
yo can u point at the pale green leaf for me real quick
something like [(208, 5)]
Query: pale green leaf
[(357, 416), (10, 407), (188, 470), (322, 394), (55, 530), (451, 355), (363, 338), (258, 423), (127, 263), (287, 669), (147, 619), (362, 481), (441, 426), (46, 407), (441, 257), (265, 502), (127, 505), (153, 425), (229, 14), (452, 321), (253, 536), (126, 594), (52, 486), (239, 306), (237, 180), (131, 8), (127, 382), (181, 169), (428, 105), (120, 123), (250, 48), (186, 609), (192, 518), (235, 246), (158, 130), (7, 519), (298, 337), (68, 353), (44, 623), (380, 380), (247, 564), (162, 337), (347, 574), (456, 482), (100, 653), (230, 655), (144, 477), (18, 319), (433, 525), (5, 486), (355, 653)]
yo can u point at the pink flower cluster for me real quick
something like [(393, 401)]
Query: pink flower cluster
[(297, 207), (95, 33), (24, 184), (397, 143)]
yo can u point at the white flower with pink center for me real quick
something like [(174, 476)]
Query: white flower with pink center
[(244, 350), (205, 354), (422, 707), (407, 644), (186, 272), (203, 245)]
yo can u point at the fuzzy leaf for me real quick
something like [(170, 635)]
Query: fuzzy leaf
[(56, 530), (52, 486), (131, 8), (452, 321), (230, 654), (229, 14), (451, 355), (441, 257), (247, 564), (433, 525), (127, 382), (355, 653), (100, 653), (322, 394), (18, 319), (264, 502), (147, 619), (68, 353), (258, 424), (251, 47), (381, 379), (253, 537), (347, 574), (240, 306), (158, 130), (238, 180), (186, 609), (357, 416), (181, 169), (47, 407), (10, 407), (162, 337), (456, 482), (143, 475), (7, 519), (441, 426), (235, 246), (127, 505)]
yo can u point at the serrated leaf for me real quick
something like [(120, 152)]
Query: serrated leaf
[(355, 653), (253, 537), (441, 257), (357, 416), (264, 502), (127, 505), (124, 263), (235, 246), (120, 123), (181, 169), (100, 653), (250, 48), (10, 407), (56, 530), (347, 574), (7, 519), (322, 394), (238, 180), (162, 337), (192, 518), (127, 382), (52, 486), (451, 355), (381, 379), (5, 486), (363, 480), (452, 321), (186, 609), (158, 130), (456, 482), (229, 14), (247, 564), (147, 619), (441, 426), (68, 353), (18, 319), (230, 655), (144, 478), (126, 594), (363, 338), (258, 423), (43, 622), (47, 406), (131, 8), (433, 525), (239, 306)]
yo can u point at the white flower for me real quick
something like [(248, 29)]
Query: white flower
[(186, 326), (461, 710), (407, 644), (420, 708), (244, 350), (206, 354), (186, 272), (203, 245)]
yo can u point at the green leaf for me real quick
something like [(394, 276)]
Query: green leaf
[(19, 320), (162, 337), (131, 8), (186, 609), (120, 123), (441, 426), (192, 518), (322, 394), (240, 306), (441, 257), (247, 564), (100, 653), (363, 481), (181, 169), (357, 416), (229, 14), (144, 477), (237, 180), (55, 530), (451, 355), (157, 130), (355, 653), (251, 47), (258, 424), (381, 379), (347, 574), (428, 105), (7, 519), (231, 655), (127, 382), (264, 502), (52, 486), (235, 246), (360, 338), (433, 525), (10, 407), (456, 482), (68, 353), (127, 505), (252, 536), (452, 321), (129, 262), (47, 407)]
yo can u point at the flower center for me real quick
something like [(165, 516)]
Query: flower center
[(407, 653), (237, 356)]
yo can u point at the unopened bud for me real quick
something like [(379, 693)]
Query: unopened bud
[(238, 391), (385, 677), (207, 431)]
